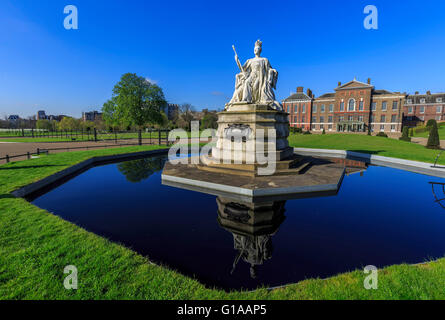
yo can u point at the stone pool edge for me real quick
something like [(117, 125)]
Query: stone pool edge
[(86, 164), (407, 165)]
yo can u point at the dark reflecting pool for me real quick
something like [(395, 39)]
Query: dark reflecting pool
[(380, 216)]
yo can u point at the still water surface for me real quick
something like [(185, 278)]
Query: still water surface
[(380, 217)]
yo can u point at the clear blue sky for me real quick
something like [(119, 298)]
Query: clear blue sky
[(185, 46)]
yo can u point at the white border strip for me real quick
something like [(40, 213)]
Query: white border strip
[(408, 165)]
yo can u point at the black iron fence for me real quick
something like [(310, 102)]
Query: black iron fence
[(85, 135), (111, 139)]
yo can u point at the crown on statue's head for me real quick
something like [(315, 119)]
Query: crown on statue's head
[(258, 44)]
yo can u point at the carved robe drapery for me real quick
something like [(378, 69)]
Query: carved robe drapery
[(256, 84)]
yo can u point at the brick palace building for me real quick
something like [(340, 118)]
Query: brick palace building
[(358, 107)]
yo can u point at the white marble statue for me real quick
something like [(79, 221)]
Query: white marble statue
[(256, 81)]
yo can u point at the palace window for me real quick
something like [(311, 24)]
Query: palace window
[(322, 119), (351, 105), (342, 106), (439, 109), (360, 106), (393, 128), (383, 118), (330, 127), (341, 118), (331, 108), (439, 100), (314, 109), (373, 118), (350, 118), (321, 126), (438, 118), (393, 118), (382, 127), (322, 109), (303, 110), (422, 109), (360, 118), (330, 119), (394, 105), (384, 106), (409, 101), (410, 109), (314, 119), (422, 118), (422, 100), (373, 106)]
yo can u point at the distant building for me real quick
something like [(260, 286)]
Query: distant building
[(55, 118), (91, 116), (299, 105), (355, 107), (419, 108), (41, 115), (172, 111), (13, 118)]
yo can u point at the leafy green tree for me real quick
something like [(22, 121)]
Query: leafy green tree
[(209, 121), (139, 170), (68, 123), (433, 138), (44, 125), (135, 102)]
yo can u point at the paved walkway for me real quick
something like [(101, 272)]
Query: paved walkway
[(16, 148), (423, 141)]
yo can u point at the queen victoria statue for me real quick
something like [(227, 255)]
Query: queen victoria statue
[(256, 81)]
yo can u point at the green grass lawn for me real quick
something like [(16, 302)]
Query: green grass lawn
[(367, 144), (35, 246)]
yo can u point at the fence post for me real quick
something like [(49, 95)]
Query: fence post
[(7, 158), (23, 132), (29, 155), (95, 135), (38, 151), (159, 136), (115, 136), (32, 132), (140, 137)]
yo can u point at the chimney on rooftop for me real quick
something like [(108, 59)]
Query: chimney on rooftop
[(309, 92), (299, 89), (339, 83), (369, 80), (417, 92), (428, 93)]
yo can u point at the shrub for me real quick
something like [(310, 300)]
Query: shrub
[(411, 132), (324, 132), (430, 123), (433, 138), (405, 135), (307, 132), (382, 134)]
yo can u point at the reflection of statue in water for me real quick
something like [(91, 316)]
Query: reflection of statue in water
[(252, 226), (254, 250), (141, 169), (256, 82)]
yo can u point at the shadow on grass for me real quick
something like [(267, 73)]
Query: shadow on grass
[(32, 167), (7, 196)]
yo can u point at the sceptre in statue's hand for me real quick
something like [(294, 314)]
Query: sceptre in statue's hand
[(238, 62)]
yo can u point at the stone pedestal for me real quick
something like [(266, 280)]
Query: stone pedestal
[(250, 136)]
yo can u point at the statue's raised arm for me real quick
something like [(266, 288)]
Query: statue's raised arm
[(256, 82)]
